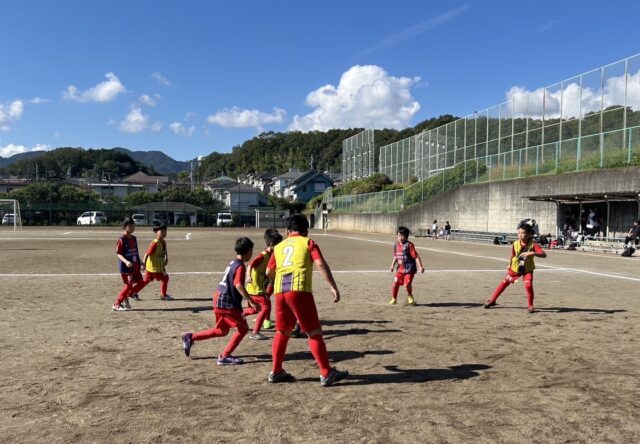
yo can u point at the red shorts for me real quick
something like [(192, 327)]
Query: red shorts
[(131, 278), (296, 305), (404, 279), (228, 319), (149, 276)]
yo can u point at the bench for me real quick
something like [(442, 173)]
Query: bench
[(602, 246)]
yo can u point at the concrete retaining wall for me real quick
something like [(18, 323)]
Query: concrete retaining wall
[(499, 206)]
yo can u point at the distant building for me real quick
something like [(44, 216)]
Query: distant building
[(309, 185), (237, 197), (282, 182), (11, 183)]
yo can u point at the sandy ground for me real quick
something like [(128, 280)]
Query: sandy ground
[(445, 370)]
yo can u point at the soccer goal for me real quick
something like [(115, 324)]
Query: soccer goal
[(10, 213)]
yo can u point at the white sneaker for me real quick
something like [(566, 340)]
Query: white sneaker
[(118, 307)]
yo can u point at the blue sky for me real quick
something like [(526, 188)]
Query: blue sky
[(190, 78)]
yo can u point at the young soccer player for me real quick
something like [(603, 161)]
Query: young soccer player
[(156, 259), (521, 265), (256, 283), (291, 269), (408, 261), (129, 265), (227, 306)]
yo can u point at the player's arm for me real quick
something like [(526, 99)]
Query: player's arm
[(393, 263), (125, 261), (538, 251), (121, 257), (149, 252), (324, 268), (238, 283), (416, 256), (253, 264)]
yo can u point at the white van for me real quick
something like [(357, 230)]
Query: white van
[(224, 219)]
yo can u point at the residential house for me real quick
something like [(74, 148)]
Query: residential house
[(237, 197), (309, 185), (282, 182)]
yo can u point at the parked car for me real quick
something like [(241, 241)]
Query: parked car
[(224, 219), (8, 219), (92, 218), (140, 219)]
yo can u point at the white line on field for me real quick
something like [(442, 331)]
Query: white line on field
[(547, 267), (187, 273), (67, 232)]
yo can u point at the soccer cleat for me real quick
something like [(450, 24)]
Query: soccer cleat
[(489, 304), (258, 336), (126, 304), (187, 342), (410, 300), (282, 376), (135, 297), (119, 307), (166, 297), (297, 332), (333, 377), (267, 324), (393, 301), (531, 309), (229, 360)]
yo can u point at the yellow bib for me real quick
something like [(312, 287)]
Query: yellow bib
[(529, 266), (256, 286), (155, 261), (294, 267)]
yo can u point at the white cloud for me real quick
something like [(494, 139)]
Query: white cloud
[(246, 118), (135, 121), (147, 100), (10, 112), (180, 129), (103, 92), (162, 80), (366, 97), (12, 149), (156, 127), (572, 100), (39, 100)]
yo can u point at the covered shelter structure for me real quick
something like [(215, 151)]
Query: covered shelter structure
[(614, 211)]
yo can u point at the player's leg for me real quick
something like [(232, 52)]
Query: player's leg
[(265, 309), (509, 279), (164, 285), (528, 288), (398, 279), (237, 321), (119, 304), (304, 308), (408, 281), (285, 321)]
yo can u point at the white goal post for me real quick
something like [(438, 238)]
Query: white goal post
[(10, 213)]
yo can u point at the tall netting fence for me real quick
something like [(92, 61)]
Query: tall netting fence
[(586, 122), (359, 156)]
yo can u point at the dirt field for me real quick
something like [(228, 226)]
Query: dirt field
[(445, 370)]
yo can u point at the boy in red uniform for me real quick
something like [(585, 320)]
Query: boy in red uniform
[(129, 265), (227, 306), (521, 265), (408, 261), (291, 269), (260, 290), (156, 259)]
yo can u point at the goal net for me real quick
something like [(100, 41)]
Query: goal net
[(10, 214)]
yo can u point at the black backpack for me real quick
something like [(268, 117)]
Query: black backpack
[(628, 251)]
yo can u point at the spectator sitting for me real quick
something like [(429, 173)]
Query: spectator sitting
[(634, 233)]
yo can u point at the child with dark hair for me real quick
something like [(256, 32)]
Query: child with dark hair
[(155, 261), (521, 265), (408, 261), (257, 283), (129, 265), (227, 306), (291, 269)]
